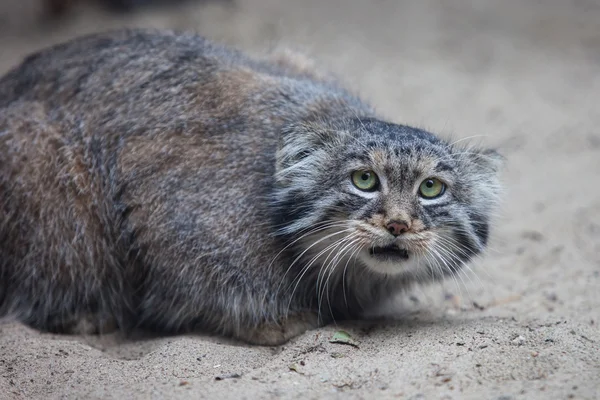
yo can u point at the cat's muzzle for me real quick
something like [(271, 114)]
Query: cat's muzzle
[(389, 253)]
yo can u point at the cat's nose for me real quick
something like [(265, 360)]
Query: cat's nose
[(397, 227)]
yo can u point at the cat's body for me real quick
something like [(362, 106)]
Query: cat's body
[(157, 180)]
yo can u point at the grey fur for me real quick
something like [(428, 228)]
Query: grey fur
[(155, 179)]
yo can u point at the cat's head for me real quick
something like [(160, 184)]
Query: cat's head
[(398, 199)]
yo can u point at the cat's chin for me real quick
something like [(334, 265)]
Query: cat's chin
[(391, 260)]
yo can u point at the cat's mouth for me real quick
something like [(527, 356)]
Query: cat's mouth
[(389, 253)]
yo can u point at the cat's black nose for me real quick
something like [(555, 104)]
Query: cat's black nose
[(397, 227)]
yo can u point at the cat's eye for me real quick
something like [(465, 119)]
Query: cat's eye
[(365, 180), (431, 188)]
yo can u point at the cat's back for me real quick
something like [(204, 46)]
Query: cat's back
[(131, 80), (128, 80), (127, 58)]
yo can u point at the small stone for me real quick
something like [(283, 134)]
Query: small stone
[(594, 141), (552, 296), (228, 376), (533, 236), (518, 341)]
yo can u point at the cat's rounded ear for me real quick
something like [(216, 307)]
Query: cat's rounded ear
[(488, 159), (299, 141)]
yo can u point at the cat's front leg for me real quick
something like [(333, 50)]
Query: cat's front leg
[(276, 333)]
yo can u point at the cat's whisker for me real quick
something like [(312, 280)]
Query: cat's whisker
[(351, 238), (339, 256), (465, 138), (308, 248), (437, 263), (306, 268), (454, 245), (450, 240), (454, 259), (456, 265), (316, 257), (325, 263), (452, 271), (319, 228), (355, 253), (433, 265)]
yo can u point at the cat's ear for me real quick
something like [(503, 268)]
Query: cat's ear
[(299, 141), (488, 160)]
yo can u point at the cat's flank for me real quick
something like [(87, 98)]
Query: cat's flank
[(153, 179)]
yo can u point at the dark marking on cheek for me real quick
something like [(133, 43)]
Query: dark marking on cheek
[(341, 208), (467, 245), (353, 202), (440, 214), (481, 227), (369, 208), (293, 207), (340, 204), (482, 232), (435, 206), (422, 216)]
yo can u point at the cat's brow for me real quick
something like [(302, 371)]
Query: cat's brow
[(442, 166)]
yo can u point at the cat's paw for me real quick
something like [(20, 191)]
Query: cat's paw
[(91, 324), (273, 334)]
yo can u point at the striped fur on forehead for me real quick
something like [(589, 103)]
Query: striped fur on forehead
[(401, 140)]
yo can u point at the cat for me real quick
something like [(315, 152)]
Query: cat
[(154, 179)]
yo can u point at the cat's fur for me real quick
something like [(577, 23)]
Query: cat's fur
[(155, 179)]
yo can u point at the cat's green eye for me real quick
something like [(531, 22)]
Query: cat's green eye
[(431, 188), (365, 180)]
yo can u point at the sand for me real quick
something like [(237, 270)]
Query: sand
[(520, 76)]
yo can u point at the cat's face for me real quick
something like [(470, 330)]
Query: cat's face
[(397, 199)]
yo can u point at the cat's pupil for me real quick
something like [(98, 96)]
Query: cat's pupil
[(429, 184), (365, 176)]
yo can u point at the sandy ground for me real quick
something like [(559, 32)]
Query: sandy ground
[(521, 76)]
